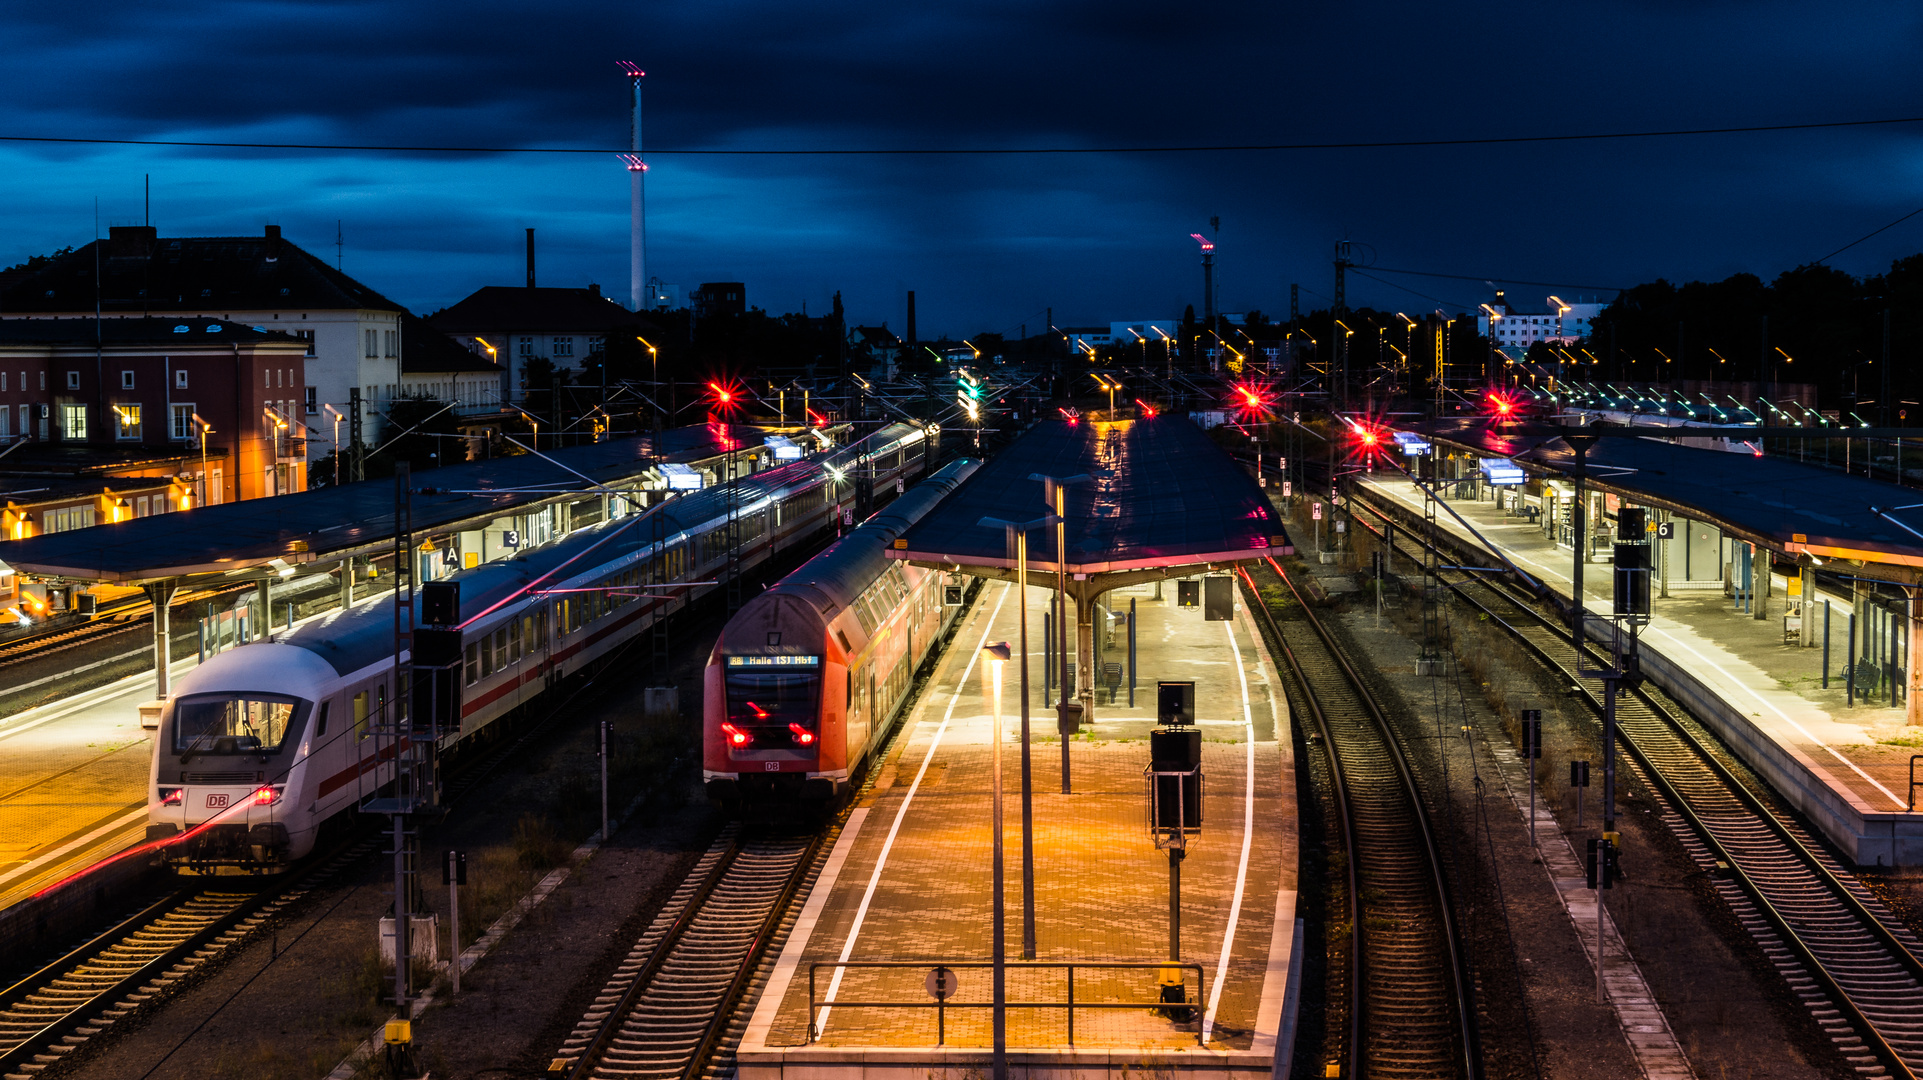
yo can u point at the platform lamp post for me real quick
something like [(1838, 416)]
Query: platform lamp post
[(338, 416), (654, 366), (1068, 716), (1017, 533), (997, 654), (206, 429)]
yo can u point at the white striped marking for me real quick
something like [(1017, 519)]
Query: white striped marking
[(874, 879), (1248, 834)]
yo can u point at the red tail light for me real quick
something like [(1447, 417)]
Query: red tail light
[(266, 796), (172, 796), (802, 734), (736, 736)]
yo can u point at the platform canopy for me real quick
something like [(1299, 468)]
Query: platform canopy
[(354, 520), (1161, 499), (1771, 499)]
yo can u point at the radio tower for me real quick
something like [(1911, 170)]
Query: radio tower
[(637, 205)]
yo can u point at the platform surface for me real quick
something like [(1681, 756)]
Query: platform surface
[(909, 879), (1846, 766)]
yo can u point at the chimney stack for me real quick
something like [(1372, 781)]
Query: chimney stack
[(530, 258), (911, 319)]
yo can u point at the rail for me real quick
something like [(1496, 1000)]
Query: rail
[(1460, 979), (942, 1005), (1778, 921)]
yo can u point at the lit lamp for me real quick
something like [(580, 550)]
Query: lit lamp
[(206, 429), (996, 655)]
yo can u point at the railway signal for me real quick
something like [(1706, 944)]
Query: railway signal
[(1578, 780), (1174, 776), (454, 875)]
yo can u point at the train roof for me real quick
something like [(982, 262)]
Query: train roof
[(330, 522), (356, 637), (833, 579)]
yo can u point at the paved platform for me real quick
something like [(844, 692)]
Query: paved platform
[(1846, 767), (909, 878), (73, 783)]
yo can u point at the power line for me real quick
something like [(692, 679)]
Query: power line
[(1411, 292), (1498, 277), (1867, 235), (1379, 144)]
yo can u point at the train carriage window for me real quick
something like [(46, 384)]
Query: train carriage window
[(360, 715), (473, 665), (540, 638), (561, 618), (516, 639), (487, 656), (320, 725), (500, 647), (233, 724)]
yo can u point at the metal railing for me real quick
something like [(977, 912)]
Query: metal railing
[(942, 1005)]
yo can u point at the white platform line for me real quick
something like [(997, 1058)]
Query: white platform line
[(881, 862), (75, 845), (1248, 835)]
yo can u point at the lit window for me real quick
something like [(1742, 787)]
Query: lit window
[(73, 423), (128, 419)]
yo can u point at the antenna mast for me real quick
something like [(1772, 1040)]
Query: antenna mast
[(637, 201)]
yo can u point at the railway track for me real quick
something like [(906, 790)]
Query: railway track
[(1851, 962), (1410, 1008), (668, 1008), (134, 965), (118, 619)]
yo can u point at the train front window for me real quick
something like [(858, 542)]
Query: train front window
[(234, 723), (774, 702)]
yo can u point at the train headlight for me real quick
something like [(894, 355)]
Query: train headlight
[(172, 796)]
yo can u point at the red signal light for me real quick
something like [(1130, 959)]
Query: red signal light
[(1502, 405), (1368, 437)]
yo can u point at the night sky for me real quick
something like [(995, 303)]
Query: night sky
[(986, 241)]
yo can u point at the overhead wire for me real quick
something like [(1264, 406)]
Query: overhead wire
[(943, 151)]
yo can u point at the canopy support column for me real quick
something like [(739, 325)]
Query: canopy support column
[(161, 593)]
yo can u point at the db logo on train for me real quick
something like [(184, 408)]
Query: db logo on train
[(216, 802)]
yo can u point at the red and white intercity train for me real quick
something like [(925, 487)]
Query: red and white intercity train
[(806, 677), (260, 746)]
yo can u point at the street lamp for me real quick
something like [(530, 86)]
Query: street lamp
[(1494, 317), (1109, 385), (1017, 534), (996, 655), (205, 430), (337, 415), (1168, 350), (1068, 716), (654, 362)]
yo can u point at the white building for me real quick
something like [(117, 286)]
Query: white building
[(1557, 324)]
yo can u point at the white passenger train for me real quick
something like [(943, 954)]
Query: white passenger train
[(260, 746)]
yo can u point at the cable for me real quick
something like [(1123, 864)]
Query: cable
[(1380, 144), (1411, 292), (1867, 235), (1504, 280)]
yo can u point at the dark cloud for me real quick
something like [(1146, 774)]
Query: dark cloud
[(983, 240)]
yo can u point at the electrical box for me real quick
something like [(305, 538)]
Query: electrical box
[(951, 595), (1631, 524), (1175, 702), (1218, 598), (1188, 593), (441, 603), (1631, 575)]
